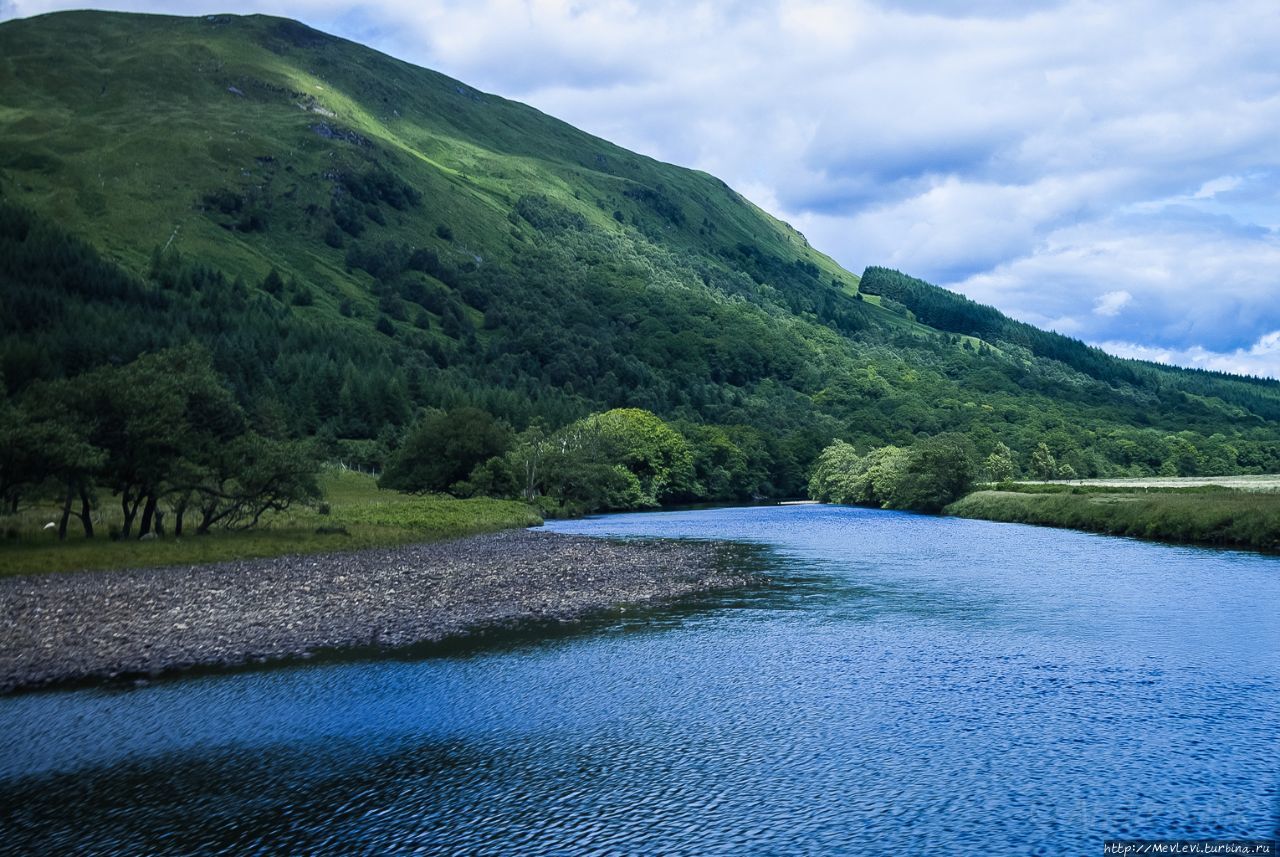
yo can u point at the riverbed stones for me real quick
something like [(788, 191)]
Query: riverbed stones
[(58, 628)]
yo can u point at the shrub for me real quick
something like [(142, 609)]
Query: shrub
[(443, 448), (925, 477)]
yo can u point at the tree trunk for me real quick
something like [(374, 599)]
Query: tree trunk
[(530, 478), (159, 527), (148, 512), (130, 511), (86, 517), (207, 517), (66, 511), (180, 512)]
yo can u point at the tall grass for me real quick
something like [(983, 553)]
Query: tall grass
[(358, 516), (1222, 517), (1089, 488)]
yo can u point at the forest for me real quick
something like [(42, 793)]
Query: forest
[(518, 310), (187, 396)]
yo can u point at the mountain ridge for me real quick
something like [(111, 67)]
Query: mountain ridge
[(312, 209), (215, 69)]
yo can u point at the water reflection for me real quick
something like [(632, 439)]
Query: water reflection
[(903, 683)]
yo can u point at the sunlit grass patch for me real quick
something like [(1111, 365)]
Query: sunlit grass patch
[(354, 514)]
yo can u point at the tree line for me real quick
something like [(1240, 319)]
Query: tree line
[(757, 363), (621, 459), (925, 477), (163, 435)]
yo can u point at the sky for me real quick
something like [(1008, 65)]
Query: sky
[(1104, 169)]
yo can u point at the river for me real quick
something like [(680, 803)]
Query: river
[(902, 684)]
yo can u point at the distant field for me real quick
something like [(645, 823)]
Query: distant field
[(359, 515), (1173, 510), (1264, 482)]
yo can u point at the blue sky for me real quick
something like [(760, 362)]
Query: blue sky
[(1105, 169)]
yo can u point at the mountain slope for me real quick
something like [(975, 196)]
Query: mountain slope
[(355, 237), (129, 127)]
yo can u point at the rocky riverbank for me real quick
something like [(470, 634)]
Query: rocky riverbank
[(58, 628)]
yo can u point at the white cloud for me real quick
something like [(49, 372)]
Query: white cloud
[(1112, 303), (1213, 187), (1037, 156), (1197, 281), (1262, 358)]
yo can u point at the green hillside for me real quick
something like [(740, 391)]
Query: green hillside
[(237, 137), (355, 239)]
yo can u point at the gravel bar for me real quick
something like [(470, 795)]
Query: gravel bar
[(59, 628)]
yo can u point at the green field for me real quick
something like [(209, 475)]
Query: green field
[(359, 516), (1201, 514), (1257, 482)]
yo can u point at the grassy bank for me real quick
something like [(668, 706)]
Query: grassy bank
[(1221, 516), (1257, 482), (358, 516)]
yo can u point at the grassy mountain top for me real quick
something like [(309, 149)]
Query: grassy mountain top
[(355, 239), (233, 135)]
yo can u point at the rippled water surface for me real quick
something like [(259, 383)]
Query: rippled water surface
[(903, 683)]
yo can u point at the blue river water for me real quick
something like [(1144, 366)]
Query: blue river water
[(901, 684)]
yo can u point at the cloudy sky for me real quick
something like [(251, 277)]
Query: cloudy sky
[(1105, 169)]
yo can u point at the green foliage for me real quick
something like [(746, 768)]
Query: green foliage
[(163, 429), (374, 183), (359, 516), (547, 215), (938, 470), (999, 466), (657, 199), (842, 476), (729, 462), (572, 277), (1043, 464), (442, 449), (251, 476), (924, 477), (580, 469), (650, 450), (626, 458)]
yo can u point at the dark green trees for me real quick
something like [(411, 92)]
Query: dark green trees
[(442, 449), (924, 477), (162, 434), (158, 420), (44, 446), (655, 454), (939, 470), (626, 458), (247, 477)]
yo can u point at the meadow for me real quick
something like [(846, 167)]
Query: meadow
[(354, 514), (1173, 510), (1247, 482)]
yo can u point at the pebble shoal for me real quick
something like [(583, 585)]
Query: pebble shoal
[(61, 628)]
